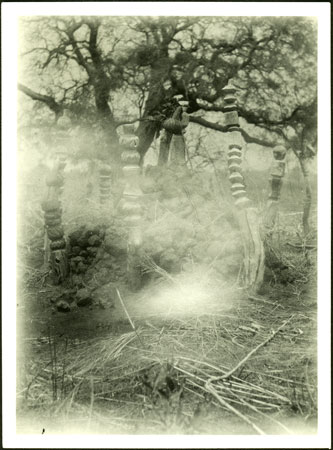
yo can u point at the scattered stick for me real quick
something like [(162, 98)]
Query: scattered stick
[(128, 316), (252, 352), (257, 299), (231, 408), (305, 246), (91, 401), (269, 417), (308, 385)]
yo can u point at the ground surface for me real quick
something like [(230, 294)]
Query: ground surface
[(84, 368), (213, 336)]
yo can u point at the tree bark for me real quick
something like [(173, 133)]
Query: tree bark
[(147, 129)]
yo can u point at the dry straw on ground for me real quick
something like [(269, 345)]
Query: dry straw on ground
[(170, 370)]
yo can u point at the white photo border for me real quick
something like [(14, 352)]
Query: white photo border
[(10, 14)]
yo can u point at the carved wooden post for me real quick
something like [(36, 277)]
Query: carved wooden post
[(277, 174), (130, 205), (54, 229), (247, 215), (62, 141), (57, 175), (104, 182)]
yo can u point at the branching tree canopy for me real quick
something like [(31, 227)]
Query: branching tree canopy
[(114, 70)]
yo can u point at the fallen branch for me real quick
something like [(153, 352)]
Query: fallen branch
[(248, 356), (257, 299), (231, 408), (269, 417)]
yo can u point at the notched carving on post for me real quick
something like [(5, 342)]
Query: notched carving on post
[(247, 215), (130, 205)]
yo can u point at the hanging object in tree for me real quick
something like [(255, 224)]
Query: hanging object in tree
[(173, 135), (177, 145), (277, 174), (131, 204), (246, 213)]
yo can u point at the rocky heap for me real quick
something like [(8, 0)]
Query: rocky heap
[(97, 256), (187, 225), (97, 259), (83, 248)]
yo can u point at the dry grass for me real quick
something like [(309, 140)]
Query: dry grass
[(166, 375)]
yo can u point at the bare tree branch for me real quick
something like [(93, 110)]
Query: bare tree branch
[(57, 108), (223, 129)]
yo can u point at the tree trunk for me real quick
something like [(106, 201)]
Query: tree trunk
[(105, 117), (147, 129)]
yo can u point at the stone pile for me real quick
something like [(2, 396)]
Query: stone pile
[(84, 245), (97, 256), (192, 229)]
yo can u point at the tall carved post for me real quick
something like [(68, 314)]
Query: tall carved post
[(104, 182), (62, 142), (56, 177), (54, 229), (277, 174), (106, 170), (131, 204), (246, 213)]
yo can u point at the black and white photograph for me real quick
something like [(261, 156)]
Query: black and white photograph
[(166, 225)]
